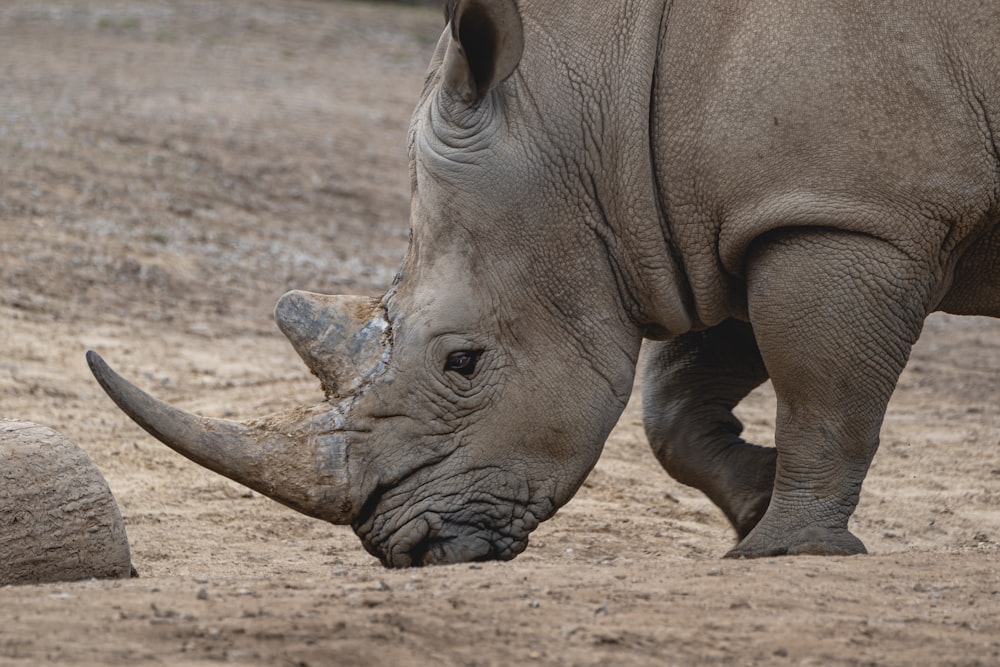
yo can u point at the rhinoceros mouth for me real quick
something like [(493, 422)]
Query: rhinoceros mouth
[(434, 537), (452, 543), (442, 550)]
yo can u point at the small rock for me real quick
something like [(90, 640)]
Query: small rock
[(202, 594)]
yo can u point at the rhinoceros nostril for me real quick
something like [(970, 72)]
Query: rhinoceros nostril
[(438, 550), (429, 551)]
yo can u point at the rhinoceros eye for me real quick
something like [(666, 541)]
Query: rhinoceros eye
[(462, 362)]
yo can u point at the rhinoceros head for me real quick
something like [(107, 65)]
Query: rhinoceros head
[(470, 401)]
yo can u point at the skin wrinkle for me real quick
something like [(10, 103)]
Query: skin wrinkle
[(462, 136), (658, 180), (961, 78), (466, 398), (605, 234), (991, 138), (557, 308), (574, 184), (594, 103), (417, 520)]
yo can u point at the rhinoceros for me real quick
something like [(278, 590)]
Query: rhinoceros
[(768, 189)]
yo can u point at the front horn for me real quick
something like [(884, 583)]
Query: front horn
[(298, 458)]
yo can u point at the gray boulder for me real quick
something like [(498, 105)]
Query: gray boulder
[(58, 519)]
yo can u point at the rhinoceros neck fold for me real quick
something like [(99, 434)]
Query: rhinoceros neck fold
[(297, 458)]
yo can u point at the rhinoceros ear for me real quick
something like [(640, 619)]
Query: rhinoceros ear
[(487, 41)]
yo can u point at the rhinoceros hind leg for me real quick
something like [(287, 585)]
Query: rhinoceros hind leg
[(690, 386), (835, 316)]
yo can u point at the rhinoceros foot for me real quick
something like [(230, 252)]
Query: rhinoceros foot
[(812, 540)]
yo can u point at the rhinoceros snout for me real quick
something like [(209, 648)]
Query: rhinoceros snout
[(443, 549), (435, 530)]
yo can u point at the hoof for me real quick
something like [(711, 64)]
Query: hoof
[(813, 541)]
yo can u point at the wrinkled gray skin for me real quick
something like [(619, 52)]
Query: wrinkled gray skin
[(773, 189)]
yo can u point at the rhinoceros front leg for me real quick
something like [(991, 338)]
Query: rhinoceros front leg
[(690, 386), (835, 316)]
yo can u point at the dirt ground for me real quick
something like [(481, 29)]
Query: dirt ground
[(168, 168)]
